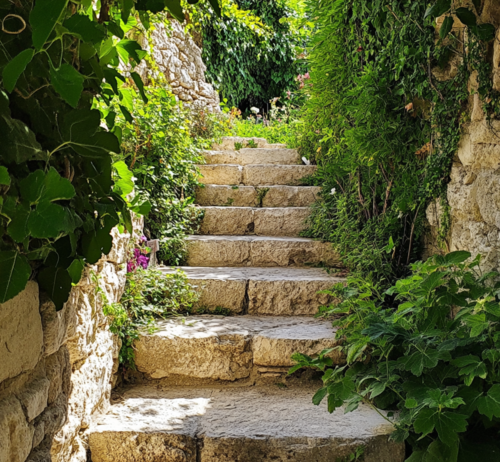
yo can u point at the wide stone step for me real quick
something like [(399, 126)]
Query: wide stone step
[(261, 291), (251, 196), (228, 347), (255, 175), (240, 221), (236, 425), (260, 251), (249, 156), (228, 143)]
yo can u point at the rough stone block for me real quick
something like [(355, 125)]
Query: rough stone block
[(250, 156), (21, 335), (264, 175), (222, 195), (228, 220), (228, 143), (55, 325), (34, 397), (221, 174), (284, 221), (290, 196)]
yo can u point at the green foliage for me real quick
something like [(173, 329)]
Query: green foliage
[(161, 145), (250, 58), (149, 295), (381, 128), (428, 347), (58, 197)]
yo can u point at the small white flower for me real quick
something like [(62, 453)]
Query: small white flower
[(333, 191), (255, 110), (307, 162)]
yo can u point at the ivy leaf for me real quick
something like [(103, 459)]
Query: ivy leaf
[(56, 187), (125, 185), (418, 361), (485, 32), (75, 270), (43, 19), (15, 67), (216, 7), (439, 8), (31, 187), (140, 85), (447, 424), (454, 258), (489, 405), (466, 16), (174, 6), (446, 27), (68, 82), (319, 395), (115, 29), (95, 244), (85, 28), (57, 283), (18, 227), (130, 49), (15, 272), (477, 324), (4, 176), (126, 7), (47, 221)]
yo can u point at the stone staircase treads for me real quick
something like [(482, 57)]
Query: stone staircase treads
[(260, 251), (228, 143), (255, 175), (284, 221), (261, 291), (271, 175), (228, 347), (251, 196), (248, 156), (236, 425)]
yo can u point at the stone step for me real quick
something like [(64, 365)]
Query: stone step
[(259, 251), (228, 143), (240, 221), (228, 347), (236, 425), (255, 175), (249, 156), (251, 196), (261, 291)]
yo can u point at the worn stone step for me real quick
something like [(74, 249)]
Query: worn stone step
[(259, 221), (249, 156), (261, 291), (228, 143), (260, 251), (228, 347), (255, 175), (237, 425), (251, 196)]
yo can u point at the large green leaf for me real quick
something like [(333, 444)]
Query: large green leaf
[(56, 187), (175, 7), (31, 187), (489, 405), (439, 8), (15, 272), (18, 227), (466, 16), (95, 244), (216, 7), (4, 176), (485, 32), (130, 49), (15, 67), (57, 283), (85, 28), (126, 7), (97, 146), (68, 82), (446, 27), (47, 221), (140, 85), (43, 19), (125, 184)]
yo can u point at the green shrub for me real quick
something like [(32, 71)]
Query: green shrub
[(428, 348), (149, 295)]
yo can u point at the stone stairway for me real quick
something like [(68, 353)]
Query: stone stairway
[(215, 387)]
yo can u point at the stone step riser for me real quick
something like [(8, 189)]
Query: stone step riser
[(254, 156), (210, 425), (228, 143), (228, 348), (261, 291), (255, 175), (251, 196), (214, 251), (241, 221)]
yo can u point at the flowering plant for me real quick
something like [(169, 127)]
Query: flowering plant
[(139, 257)]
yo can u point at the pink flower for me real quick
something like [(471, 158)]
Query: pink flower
[(144, 239), (306, 76), (131, 266), (301, 85)]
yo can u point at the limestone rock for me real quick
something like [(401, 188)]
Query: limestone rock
[(228, 143), (263, 175), (259, 251), (21, 335), (244, 425), (55, 325), (221, 174), (222, 195), (290, 196), (249, 156), (34, 397)]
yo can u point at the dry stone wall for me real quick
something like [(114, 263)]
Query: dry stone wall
[(57, 368), (474, 189)]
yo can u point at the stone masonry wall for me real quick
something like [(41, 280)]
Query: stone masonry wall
[(179, 59), (474, 190), (57, 368)]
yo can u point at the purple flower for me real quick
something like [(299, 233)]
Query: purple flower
[(131, 266), (137, 253), (143, 261), (144, 239)]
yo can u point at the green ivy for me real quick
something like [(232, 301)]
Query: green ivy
[(60, 193)]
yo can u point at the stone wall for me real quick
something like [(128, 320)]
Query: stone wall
[(474, 190), (179, 59), (57, 368)]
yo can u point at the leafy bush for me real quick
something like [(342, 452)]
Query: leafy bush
[(59, 197), (429, 348), (250, 51), (149, 295)]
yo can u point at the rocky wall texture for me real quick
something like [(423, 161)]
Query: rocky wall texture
[(57, 368), (179, 59), (474, 189)]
